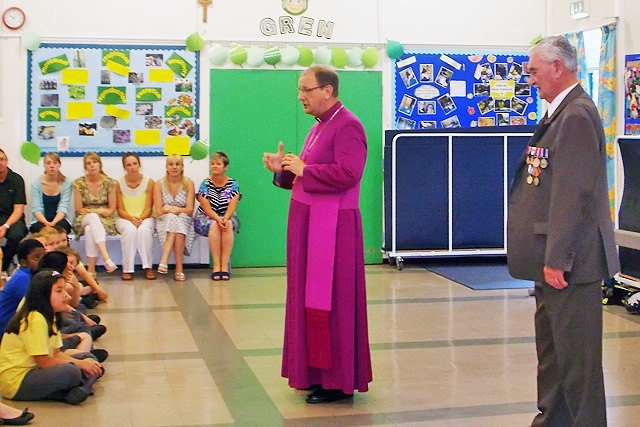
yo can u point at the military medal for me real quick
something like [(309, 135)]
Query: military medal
[(536, 161)]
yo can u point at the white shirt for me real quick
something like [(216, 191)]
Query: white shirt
[(558, 99)]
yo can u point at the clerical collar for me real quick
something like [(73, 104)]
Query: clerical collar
[(329, 113)]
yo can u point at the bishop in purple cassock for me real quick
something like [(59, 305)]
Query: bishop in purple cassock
[(326, 344)]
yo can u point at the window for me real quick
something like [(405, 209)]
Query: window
[(592, 41)]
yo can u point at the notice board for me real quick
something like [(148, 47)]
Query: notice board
[(446, 90), (112, 99)]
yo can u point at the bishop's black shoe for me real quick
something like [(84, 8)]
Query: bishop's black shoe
[(327, 396)]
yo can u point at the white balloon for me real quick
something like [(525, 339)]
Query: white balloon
[(255, 57), (323, 56), (355, 57), (218, 54), (30, 40), (290, 55)]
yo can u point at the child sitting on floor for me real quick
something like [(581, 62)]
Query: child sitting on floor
[(74, 321), (92, 293), (32, 367), (29, 253)]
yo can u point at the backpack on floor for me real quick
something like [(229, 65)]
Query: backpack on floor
[(615, 293), (632, 303)]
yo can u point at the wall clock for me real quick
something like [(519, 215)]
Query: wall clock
[(13, 18)]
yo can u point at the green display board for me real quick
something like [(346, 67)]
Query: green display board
[(251, 110)]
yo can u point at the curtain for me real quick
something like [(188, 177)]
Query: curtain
[(577, 41), (607, 102)]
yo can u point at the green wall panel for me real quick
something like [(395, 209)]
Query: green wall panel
[(251, 110)]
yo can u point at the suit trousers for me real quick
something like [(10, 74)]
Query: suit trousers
[(136, 239), (568, 324)]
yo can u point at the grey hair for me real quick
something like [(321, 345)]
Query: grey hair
[(557, 47)]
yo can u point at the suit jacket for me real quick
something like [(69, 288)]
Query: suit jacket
[(565, 221)]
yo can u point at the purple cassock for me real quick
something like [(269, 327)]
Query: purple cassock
[(326, 338)]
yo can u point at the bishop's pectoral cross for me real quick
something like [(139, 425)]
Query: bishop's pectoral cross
[(205, 7)]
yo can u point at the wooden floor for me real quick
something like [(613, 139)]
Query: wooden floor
[(204, 353)]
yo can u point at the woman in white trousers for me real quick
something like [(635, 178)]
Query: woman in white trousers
[(134, 201)]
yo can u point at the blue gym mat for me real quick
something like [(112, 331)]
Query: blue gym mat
[(479, 275)]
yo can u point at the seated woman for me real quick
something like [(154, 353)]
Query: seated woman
[(134, 201), (50, 196), (216, 217), (173, 201), (94, 195), (32, 367)]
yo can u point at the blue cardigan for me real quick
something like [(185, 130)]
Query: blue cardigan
[(36, 198)]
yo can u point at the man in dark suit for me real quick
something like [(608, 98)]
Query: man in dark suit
[(560, 235)]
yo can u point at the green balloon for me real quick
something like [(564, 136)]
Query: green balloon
[(30, 152), (306, 56), (370, 57), (339, 58), (394, 49), (237, 54), (272, 55), (30, 40), (195, 42), (199, 150)]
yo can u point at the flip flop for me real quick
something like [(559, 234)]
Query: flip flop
[(110, 266)]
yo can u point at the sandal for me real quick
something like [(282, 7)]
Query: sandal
[(127, 276), (110, 266), (149, 274), (179, 277), (163, 268), (216, 276), (224, 275)]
